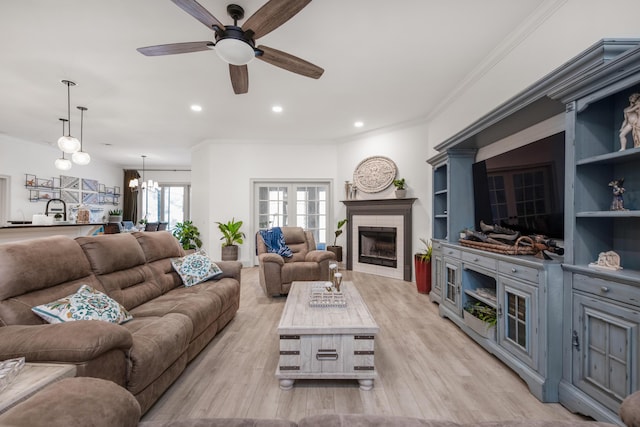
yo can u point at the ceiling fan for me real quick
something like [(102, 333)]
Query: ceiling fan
[(236, 45)]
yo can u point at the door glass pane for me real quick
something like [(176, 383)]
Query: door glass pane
[(151, 203), (173, 206), (517, 319), (311, 210), (272, 206)]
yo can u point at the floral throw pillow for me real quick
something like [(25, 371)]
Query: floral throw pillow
[(86, 304), (195, 268)]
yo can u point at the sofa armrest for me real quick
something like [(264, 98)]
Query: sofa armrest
[(271, 257), (319, 256), (70, 342), (630, 410), (229, 269)]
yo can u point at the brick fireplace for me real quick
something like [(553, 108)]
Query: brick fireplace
[(379, 237)]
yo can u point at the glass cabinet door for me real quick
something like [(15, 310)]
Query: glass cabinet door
[(516, 316), (451, 291)]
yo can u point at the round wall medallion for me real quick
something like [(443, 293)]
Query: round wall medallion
[(374, 174)]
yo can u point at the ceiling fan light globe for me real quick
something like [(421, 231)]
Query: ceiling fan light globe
[(81, 158), (68, 144), (234, 51), (63, 164)]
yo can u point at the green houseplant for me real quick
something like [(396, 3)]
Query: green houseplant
[(337, 250), (115, 215), (188, 235), (401, 188), (481, 318), (232, 237), (422, 262)]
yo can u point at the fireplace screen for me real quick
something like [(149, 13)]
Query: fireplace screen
[(377, 246)]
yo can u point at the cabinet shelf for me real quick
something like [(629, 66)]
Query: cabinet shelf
[(609, 214), (487, 301), (616, 157)]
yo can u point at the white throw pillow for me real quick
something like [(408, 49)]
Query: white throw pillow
[(86, 304), (195, 268)]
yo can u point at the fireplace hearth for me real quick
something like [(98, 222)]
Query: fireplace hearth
[(377, 246)]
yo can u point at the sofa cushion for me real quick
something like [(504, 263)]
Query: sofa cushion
[(86, 304), (195, 268), (76, 401), (120, 266), (34, 273), (300, 271), (157, 343), (297, 242), (157, 246)]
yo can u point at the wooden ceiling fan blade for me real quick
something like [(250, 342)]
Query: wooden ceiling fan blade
[(239, 78), (174, 48), (195, 9), (290, 62), (273, 14)]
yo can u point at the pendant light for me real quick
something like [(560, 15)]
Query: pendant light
[(80, 157), (68, 143), (62, 163)]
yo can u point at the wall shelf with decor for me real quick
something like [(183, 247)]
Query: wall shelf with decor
[(42, 189), (108, 195)]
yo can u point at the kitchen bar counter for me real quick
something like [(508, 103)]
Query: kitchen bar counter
[(16, 232)]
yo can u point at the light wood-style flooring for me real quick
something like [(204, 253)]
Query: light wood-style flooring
[(426, 367)]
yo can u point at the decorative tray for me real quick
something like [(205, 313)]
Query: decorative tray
[(9, 369), (324, 295)]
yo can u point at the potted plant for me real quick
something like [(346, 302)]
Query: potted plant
[(481, 318), (422, 262), (401, 188), (187, 234), (337, 250), (232, 237), (115, 215)]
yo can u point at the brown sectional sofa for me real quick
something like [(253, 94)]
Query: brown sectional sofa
[(171, 324)]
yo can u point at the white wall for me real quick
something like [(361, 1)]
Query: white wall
[(19, 157), (409, 150), (221, 181), (573, 27)]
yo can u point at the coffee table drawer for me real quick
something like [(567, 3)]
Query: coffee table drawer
[(326, 353)]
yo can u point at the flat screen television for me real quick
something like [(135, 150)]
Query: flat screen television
[(523, 189)]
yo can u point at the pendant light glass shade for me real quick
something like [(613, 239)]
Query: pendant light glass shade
[(63, 164), (68, 143), (80, 157)]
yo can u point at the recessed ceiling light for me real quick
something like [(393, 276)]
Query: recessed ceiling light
[(196, 108), (276, 109), (358, 124)]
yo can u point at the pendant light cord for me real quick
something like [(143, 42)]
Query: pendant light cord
[(68, 83)]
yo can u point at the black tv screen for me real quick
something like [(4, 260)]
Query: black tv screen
[(523, 189)]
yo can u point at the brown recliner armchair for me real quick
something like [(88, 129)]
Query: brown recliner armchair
[(307, 263)]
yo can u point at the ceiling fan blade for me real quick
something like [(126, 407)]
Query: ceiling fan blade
[(173, 48), (273, 14), (239, 78), (290, 62), (195, 9)]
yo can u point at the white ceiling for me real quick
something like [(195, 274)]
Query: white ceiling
[(385, 63)]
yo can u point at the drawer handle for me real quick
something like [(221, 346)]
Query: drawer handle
[(604, 289), (513, 269), (475, 260), (327, 354)]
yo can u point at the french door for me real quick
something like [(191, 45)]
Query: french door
[(301, 204)]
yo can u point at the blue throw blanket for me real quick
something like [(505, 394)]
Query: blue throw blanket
[(274, 240)]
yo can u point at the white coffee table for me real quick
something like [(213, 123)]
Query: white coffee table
[(326, 342), (32, 378)]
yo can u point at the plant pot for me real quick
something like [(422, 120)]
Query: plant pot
[(337, 250), (401, 194), (115, 218), (481, 327), (423, 275), (229, 253)]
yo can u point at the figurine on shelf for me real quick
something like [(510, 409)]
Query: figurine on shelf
[(631, 122), (618, 190), (607, 260)]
